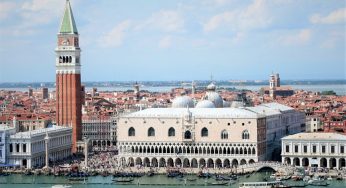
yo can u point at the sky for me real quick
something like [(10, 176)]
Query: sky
[(155, 40)]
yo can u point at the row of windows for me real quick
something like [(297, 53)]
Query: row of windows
[(210, 122), (187, 134), (65, 59), (314, 149)]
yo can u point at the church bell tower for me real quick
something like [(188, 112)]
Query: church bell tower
[(68, 77)]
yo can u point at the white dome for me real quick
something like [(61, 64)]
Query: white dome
[(182, 102), (237, 104), (205, 104), (215, 98), (211, 87), (226, 104)]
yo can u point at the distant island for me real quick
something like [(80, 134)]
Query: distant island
[(174, 83)]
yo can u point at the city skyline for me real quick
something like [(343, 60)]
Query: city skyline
[(177, 40)]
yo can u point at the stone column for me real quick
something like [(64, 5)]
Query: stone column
[(46, 139), (337, 162), (86, 152)]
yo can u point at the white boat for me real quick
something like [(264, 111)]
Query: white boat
[(273, 176), (61, 186), (260, 184)]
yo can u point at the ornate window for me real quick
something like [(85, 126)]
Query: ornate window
[(187, 135), (171, 131), (151, 131), (204, 132), (245, 135), (224, 134), (132, 132)]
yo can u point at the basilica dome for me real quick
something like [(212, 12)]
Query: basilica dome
[(182, 102), (237, 104), (215, 98), (211, 87), (205, 104), (226, 104)]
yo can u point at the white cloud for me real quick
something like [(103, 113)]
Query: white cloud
[(165, 20), (297, 38), (165, 42), (251, 17), (337, 16), (334, 38), (41, 11), (6, 8), (116, 36)]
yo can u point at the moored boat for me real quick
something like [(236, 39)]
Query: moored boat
[(123, 180), (261, 184), (218, 183)]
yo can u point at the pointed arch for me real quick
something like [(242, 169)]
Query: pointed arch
[(204, 132), (131, 131), (224, 135), (151, 131), (171, 132), (245, 135)]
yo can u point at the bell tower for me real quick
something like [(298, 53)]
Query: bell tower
[(68, 77)]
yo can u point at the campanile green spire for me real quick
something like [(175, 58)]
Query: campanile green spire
[(68, 25)]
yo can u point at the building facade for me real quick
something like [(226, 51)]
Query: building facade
[(68, 77), (5, 132), (281, 121), (314, 149), (101, 131), (27, 149), (191, 137), (199, 137)]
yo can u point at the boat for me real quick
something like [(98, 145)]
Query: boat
[(247, 175), (318, 182), (174, 174), (76, 178), (218, 183), (61, 186), (4, 174), (123, 180), (306, 178), (233, 177), (222, 178), (273, 176), (297, 178), (299, 185), (151, 173), (204, 175), (262, 184), (191, 179)]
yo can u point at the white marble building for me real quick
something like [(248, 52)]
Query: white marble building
[(5, 132), (315, 149), (27, 149), (101, 132), (204, 136)]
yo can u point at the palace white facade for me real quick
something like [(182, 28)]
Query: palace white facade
[(202, 137), (27, 149), (316, 149)]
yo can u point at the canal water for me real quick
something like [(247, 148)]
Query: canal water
[(18, 181)]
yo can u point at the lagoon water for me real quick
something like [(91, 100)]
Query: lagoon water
[(338, 88), (19, 181)]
